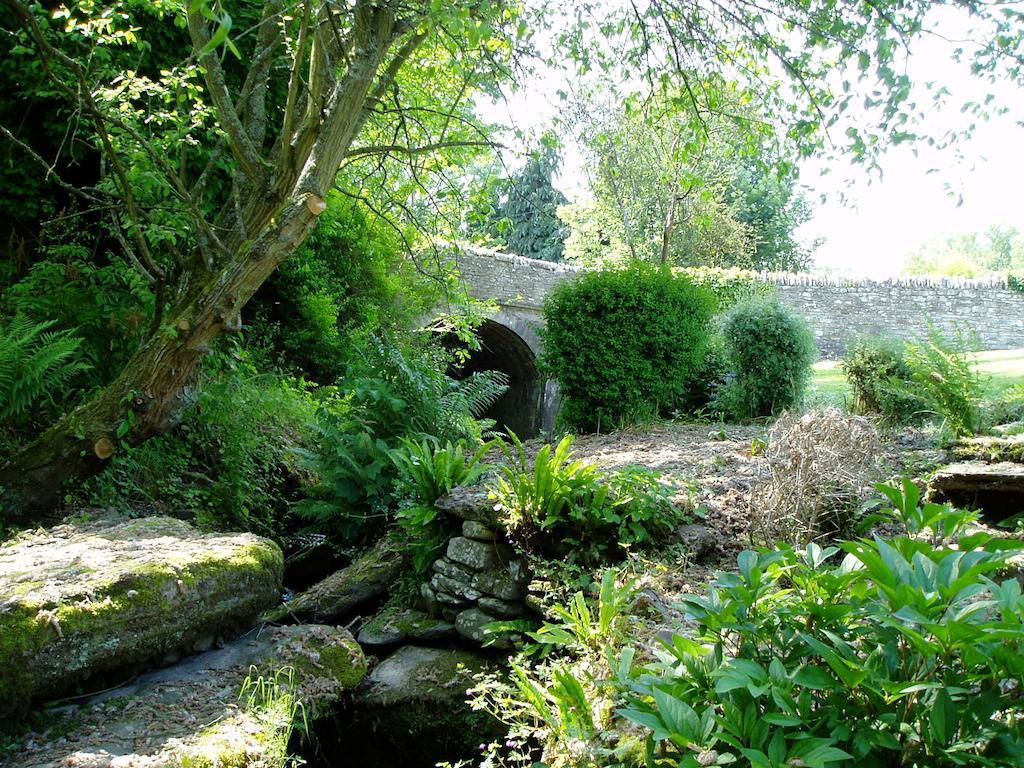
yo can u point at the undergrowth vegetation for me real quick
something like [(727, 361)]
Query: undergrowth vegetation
[(901, 652), (558, 505)]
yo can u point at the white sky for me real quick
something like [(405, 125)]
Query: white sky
[(870, 232)]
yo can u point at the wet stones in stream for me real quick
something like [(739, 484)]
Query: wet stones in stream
[(411, 711)]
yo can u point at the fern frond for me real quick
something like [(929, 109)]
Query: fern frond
[(35, 362)]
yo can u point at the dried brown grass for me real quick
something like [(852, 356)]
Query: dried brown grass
[(818, 467)]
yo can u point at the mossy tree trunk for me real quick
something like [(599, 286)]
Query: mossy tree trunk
[(281, 194)]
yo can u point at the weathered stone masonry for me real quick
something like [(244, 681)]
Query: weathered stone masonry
[(837, 309), (902, 308)]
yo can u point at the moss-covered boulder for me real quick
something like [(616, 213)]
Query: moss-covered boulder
[(412, 711), (232, 708), (81, 600), (366, 579)]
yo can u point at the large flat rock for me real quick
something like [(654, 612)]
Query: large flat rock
[(82, 600), (997, 489), (192, 715)]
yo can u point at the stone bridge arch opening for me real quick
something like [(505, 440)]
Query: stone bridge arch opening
[(521, 408)]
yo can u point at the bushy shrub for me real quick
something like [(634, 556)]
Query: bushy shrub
[(879, 375), (557, 504), (232, 464), (770, 351), (624, 344), (818, 468), (108, 305)]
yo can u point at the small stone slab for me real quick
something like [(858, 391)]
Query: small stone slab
[(471, 529), (477, 555), (473, 503), (442, 583), (500, 584), (392, 627), (470, 624), (453, 570), (500, 608), (699, 541), (191, 714), (997, 489), (84, 599)]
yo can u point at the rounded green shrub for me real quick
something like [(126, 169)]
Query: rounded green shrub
[(770, 351), (624, 344), (881, 379)]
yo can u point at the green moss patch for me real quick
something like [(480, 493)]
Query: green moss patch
[(81, 600)]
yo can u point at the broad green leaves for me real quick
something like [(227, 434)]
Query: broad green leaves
[(911, 668)]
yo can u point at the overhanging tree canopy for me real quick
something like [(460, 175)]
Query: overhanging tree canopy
[(216, 164)]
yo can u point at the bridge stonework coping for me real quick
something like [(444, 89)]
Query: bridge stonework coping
[(990, 310)]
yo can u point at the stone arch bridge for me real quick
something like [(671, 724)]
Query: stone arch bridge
[(991, 310)]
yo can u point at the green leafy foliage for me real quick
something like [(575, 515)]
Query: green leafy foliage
[(100, 297), (400, 394), (524, 214), (558, 504), (348, 281), (554, 702), (624, 344), (969, 254), (234, 463), (35, 364), (879, 375), (896, 655), (944, 375), (428, 470), (770, 351)]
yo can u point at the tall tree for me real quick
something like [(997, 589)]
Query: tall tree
[(524, 212), (214, 169)]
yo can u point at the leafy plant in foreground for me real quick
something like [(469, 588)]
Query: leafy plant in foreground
[(904, 653)]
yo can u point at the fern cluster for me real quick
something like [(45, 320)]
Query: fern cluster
[(35, 363)]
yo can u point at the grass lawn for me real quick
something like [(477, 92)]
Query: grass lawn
[(999, 370)]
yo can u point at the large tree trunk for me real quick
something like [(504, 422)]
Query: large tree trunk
[(146, 396), (279, 211)]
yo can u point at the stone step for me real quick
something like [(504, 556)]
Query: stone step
[(996, 489), (108, 596)]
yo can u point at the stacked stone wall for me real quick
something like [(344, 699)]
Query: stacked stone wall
[(838, 310)]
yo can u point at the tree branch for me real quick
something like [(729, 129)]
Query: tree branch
[(398, 149), (249, 160)]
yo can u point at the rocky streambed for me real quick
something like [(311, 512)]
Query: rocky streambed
[(87, 606)]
